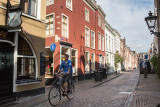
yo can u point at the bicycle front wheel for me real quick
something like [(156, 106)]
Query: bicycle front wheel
[(71, 91), (54, 96)]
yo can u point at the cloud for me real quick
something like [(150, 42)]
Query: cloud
[(127, 16)]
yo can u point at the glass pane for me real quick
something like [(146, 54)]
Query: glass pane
[(51, 25), (51, 31), (47, 26), (47, 32), (25, 68), (47, 19), (51, 18)]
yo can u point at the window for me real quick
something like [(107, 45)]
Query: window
[(107, 59), (102, 24), (50, 28), (31, 7), (99, 41), (102, 43), (92, 40), (64, 26), (103, 61), (64, 50), (87, 37), (112, 45), (100, 61), (99, 21), (109, 43), (49, 2), (92, 62), (106, 42), (86, 62), (26, 67), (74, 61), (86, 14), (69, 4)]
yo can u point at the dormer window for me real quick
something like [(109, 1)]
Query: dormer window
[(69, 4)]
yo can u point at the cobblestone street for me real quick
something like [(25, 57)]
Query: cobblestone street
[(115, 93)]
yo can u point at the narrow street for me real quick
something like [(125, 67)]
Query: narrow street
[(115, 93)]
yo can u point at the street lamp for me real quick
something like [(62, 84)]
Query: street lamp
[(151, 21)]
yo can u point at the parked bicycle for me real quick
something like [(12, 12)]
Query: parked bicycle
[(56, 91)]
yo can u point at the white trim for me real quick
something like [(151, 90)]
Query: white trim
[(88, 14), (67, 36), (15, 30), (85, 37), (39, 9), (2, 7), (47, 47), (34, 18), (53, 25), (94, 39), (34, 55), (8, 42), (23, 56), (15, 61), (28, 83), (89, 5), (71, 5), (88, 61)]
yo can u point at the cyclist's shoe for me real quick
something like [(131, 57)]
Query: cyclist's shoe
[(64, 94)]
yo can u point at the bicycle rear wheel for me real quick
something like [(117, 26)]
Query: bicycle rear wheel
[(54, 96), (71, 91)]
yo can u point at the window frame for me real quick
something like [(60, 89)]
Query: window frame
[(99, 21), (93, 61), (99, 41), (102, 43), (87, 14), (87, 37), (67, 34), (50, 3), (93, 40), (86, 72), (50, 22), (70, 8), (25, 56)]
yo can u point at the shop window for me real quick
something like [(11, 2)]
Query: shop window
[(23, 47), (74, 61), (50, 28), (86, 62), (26, 66), (31, 7)]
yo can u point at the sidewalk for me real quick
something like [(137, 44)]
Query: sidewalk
[(80, 86), (147, 93)]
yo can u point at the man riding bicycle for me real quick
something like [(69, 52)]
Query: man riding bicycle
[(66, 65)]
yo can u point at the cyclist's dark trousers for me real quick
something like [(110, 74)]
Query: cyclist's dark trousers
[(66, 78)]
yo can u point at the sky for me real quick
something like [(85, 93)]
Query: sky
[(127, 16)]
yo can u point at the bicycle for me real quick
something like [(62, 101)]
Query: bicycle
[(55, 93)]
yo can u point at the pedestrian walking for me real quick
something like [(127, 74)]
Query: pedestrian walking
[(145, 68)]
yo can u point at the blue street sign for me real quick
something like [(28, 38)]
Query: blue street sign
[(53, 47)]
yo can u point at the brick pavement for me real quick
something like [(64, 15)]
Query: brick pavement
[(115, 93), (80, 86), (147, 93)]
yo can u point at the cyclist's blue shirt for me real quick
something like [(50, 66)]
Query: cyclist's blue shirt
[(66, 66)]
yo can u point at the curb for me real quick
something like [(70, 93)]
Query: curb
[(106, 81)]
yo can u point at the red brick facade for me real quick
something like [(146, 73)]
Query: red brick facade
[(76, 31)]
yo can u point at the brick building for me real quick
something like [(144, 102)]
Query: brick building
[(77, 28)]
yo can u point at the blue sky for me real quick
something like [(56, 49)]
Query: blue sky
[(127, 16)]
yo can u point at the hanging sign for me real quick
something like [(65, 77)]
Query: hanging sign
[(53, 47)]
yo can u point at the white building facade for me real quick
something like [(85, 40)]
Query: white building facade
[(110, 47)]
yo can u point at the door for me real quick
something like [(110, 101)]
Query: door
[(6, 71)]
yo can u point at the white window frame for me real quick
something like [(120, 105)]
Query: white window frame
[(53, 24), (86, 72), (67, 5), (49, 3), (99, 21), (102, 43), (93, 40), (99, 41), (76, 59), (86, 38), (86, 15), (93, 62), (67, 35), (100, 60)]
